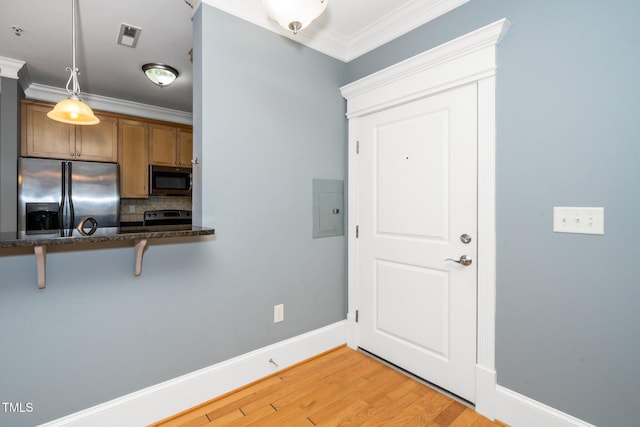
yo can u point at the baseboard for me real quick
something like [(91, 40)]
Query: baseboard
[(521, 411), (352, 339), (485, 391), (170, 397)]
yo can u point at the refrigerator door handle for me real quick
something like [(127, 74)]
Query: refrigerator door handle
[(70, 196), (63, 196)]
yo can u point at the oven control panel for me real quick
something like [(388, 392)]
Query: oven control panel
[(167, 217)]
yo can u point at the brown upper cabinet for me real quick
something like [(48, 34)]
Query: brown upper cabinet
[(43, 137), (170, 145), (133, 158)]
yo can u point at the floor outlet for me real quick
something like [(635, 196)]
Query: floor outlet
[(278, 313)]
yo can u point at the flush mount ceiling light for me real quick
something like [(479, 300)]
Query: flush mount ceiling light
[(73, 110), (160, 74), (294, 15)]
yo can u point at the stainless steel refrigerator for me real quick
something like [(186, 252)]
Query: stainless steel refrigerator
[(55, 195)]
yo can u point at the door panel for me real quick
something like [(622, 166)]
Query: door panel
[(417, 193), (404, 305), (418, 168)]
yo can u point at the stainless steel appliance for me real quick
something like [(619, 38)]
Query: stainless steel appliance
[(170, 181), (167, 217), (57, 194)]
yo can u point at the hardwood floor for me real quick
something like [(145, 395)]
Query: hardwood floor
[(342, 387)]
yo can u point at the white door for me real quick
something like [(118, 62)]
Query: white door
[(417, 198)]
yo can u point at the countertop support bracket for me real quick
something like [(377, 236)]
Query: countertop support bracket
[(139, 247), (41, 265), (41, 261), (140, 237)]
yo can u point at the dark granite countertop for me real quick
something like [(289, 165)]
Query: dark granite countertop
[(105, 234)]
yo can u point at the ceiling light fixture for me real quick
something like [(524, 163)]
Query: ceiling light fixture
[(160, 74), (294, 15), (73, 110)]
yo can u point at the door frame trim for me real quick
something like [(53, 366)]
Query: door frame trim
[(464, 60)]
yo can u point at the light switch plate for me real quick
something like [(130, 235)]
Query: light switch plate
[(578, 220)]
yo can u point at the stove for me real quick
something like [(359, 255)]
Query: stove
[(167, 217)]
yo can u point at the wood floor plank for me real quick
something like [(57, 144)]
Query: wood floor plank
[(288, 386), (390, 410), (192, 422), (226, 419), (449, 414), (297, 409), (346, 397), (340, 413), (465, 419), (256, 416), (424, 408), (340, 388)]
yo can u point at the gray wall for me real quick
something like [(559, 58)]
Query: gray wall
[(272, 121), (568, 306), (9, 150)]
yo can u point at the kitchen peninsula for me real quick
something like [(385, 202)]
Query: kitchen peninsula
[(138, 235)]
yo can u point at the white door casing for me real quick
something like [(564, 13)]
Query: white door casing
[(417, 182), (467, 59)]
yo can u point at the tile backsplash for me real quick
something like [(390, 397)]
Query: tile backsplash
[(150, 204)]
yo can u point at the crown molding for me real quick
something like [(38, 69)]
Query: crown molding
[(10, 67), (465, 59), (400, 21), (113, 105)]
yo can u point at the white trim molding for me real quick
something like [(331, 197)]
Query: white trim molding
[(10, 67), (346, 47), (407, 17), (463, 60), (521, 411), (171, 397), (468, 59), (103, 103)]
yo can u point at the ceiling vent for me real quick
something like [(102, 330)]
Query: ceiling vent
[(128, 35)]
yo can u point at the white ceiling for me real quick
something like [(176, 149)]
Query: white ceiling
[(347, 29)]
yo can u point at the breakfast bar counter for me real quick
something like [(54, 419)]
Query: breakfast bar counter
[(139, 236)]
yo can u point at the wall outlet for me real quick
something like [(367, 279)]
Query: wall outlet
[(278, 313), (578, 220)]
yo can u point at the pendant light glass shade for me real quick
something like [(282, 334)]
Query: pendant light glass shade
[(72, 110), (294, 15)]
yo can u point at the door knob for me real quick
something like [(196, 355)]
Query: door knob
[(462, 261)]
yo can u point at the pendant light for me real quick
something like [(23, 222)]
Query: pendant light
[(294, 15), (72, 110)]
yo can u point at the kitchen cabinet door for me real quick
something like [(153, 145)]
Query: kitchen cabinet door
[(162, 145), (185, 148), (98, 142), (43, 137), (133, 137)]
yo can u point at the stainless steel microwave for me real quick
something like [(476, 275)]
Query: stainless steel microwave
[(170, 181)]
